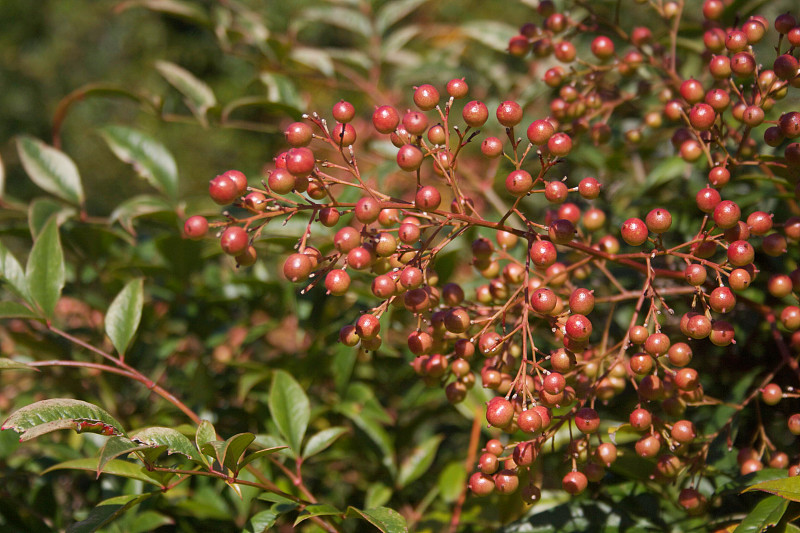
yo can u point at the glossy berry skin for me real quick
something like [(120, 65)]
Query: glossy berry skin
[(658, 220), (475, 114), (543, 254), (223, 190), (740, 253), (385, 119), (587, 421), (702, 117), (426, 97), (409, 157), (337, 282), (234, 240), (634, 232), (300, 161), (707, 199), (578, 327), (457, 88), (560, 144), (509, 113), (499, 412), (726, 214), (540, 131), (481, 484), (298, 134), (297, 267), (574, 483), (519, 183), (195, 227), (428, 198), (343, 134), (343, 111)]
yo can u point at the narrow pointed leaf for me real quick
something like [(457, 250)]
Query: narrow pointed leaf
[(215, 449), (290, 409), (138, 206), (205, 434), (258, 455), (375, 432), (15, 310), (452, 481), (124, 314), (115, 447), (11, 271), (178, 8), (419, 461), (107, 511), (788, 487), (51, 169), (116, 467), (261, 522), (45, 272), (234, 448), (319, 441), (2, 177), (393, 12), (150, 159), (10, 364), (42, 209), (175, 441), (385, 519), (58, 409), (766, 514), (199, 96), (317, 509)]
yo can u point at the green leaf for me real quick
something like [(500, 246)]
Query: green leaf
[(319, 441), (234, 448), (351, 20), (258, 455), (138, 206), (452, 480), (282, 89), (10, 364), (393, 12), (766, 514), (107, 511), (205, 434), (124, 314), (45, 272), (261, 521), (491, 33), (199, 96), (290, 409), (150, 159), (375, 432), (51, 169), (42, 209), (419, 461), (115, 447), (788, 487), (2, 177), (15, 310), (177, 8), (314, 58), (11, 271), (175, 441), (316, 509), (44, 416), (116, 467), (377, 495), (385, 519)]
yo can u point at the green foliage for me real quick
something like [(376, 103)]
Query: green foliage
[(121, 323)]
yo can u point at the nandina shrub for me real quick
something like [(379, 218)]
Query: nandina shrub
[(611, 298)]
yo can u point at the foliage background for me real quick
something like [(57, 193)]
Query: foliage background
[(215, 335)]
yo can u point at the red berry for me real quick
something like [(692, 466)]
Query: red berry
[(726, 214), (509, 113), (409, 157), (702, 116), (428, 198), (634, 232), (543, 254), (426, 97), (297, 267), (475, 114), (519, 183), (343, 134), (499, 412), (343, 112), (587, 420), (300, 161), (603, 47), (223, 190), (559, 144), (457, 88), (234, 240), (658, 220), (574, 483), (298, 134), (385, 119), (195, 227)]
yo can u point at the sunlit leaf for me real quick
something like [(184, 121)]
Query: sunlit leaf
[(787, 487), (60, 413), (10, 364), (175, 441), (124, 314), (107, 511), (290, 409), (149, 158), (199, 96), (416, 464), (51, 169), (393, 12), (116, 467), (766, 514), (317, 509), (45, 271), (319, 441), (385, 519)]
